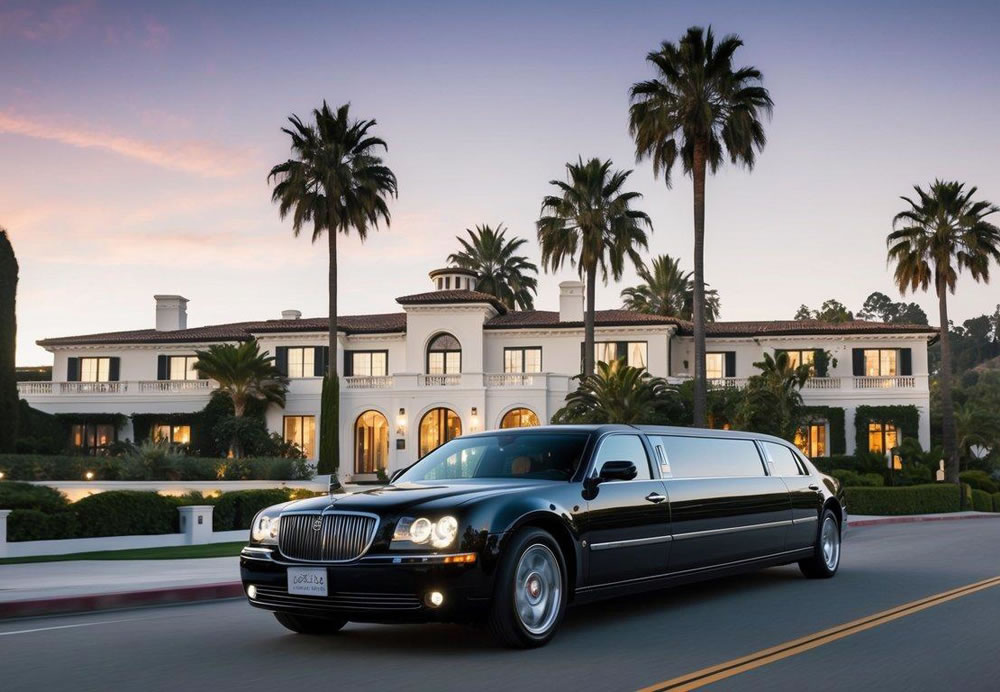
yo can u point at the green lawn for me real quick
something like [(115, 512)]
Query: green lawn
[(172, 553)]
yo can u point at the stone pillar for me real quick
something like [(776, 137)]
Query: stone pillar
[(196, 523), (3, 531)]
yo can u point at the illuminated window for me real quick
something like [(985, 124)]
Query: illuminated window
[(634, 352), (519, 418), (715, 366), (439, 425), (182, 368), (301, 361), (174, 434), (526, 359), (301, 431), (444, 355), (811, 440), (881, 362), (882, 437), (371, 442), (95, 369), (92, 438), (801, 357), (369, 363)]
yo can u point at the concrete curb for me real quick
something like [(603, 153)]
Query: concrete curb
[(915, 518), (125, 599)]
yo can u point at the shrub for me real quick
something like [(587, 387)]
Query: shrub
[(981, 501), (853, 479), (996, 502), (126, 513), (151, 463), (913, 499), (980, 480), (33, 525), (34, 497), (235, 510)]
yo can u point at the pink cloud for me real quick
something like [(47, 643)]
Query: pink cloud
[(201, 158), (34, 24)]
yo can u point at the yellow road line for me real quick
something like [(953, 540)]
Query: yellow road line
[(706, 676)]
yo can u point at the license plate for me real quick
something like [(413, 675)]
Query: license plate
[(307, 581)]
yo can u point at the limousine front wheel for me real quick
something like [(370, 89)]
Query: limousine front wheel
[(530, 595), (826, 558)]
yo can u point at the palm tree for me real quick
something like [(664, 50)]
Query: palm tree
[(244, 374), (772, 402), (698, 107), (668, 291), (941, 233), (617, 393), (591, 225), (499, 271), (335, 181)]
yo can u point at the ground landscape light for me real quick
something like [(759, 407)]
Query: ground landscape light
[(89, 475)]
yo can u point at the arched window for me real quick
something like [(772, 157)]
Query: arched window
[(444, 355), (519, 418), (371, 442), (439, 425)]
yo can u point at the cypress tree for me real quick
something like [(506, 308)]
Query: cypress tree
[(329, 427), (8, 336)]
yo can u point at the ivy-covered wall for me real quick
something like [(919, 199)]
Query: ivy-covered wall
[(834, 415), (905, 418)]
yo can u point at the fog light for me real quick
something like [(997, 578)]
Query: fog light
[(435, 599), (252, 592)]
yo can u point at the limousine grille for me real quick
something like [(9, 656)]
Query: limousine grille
[(333, 537)]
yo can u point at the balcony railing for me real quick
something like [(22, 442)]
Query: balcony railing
[(122, 387), (822, 383), (441, 380), (512, 380), (904, 381), (368, 382), (828, 383)]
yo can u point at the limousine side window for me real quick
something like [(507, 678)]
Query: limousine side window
[(712, 457), (624, 448), (782, 459)]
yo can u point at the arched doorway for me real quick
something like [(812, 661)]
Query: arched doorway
[(519, 418), (437, 427), (371, 442)]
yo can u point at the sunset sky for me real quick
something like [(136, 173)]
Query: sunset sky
[(135, 141)]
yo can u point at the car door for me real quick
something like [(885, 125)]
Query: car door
[(803, 490), (724, 506), (628, 522)]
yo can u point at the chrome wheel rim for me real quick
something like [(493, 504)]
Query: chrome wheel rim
[(537, 589), (830, 543)]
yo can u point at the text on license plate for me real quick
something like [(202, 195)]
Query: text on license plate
[(307, 581)]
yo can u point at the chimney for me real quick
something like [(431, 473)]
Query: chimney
[(171, 313), (291, 314), (571, 301)]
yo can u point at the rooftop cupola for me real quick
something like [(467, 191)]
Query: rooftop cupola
[(453, 279)]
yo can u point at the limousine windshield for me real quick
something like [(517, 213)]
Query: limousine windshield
[(521, 455)]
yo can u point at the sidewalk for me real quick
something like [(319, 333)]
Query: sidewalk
[(866, 520)]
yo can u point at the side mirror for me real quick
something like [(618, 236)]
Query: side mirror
[(617, 471)]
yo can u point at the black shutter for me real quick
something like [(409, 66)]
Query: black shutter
[(321, 360), (348, 363), (72, 369), (281, 359), (162, 368), (730, 363), (583, 354), (621, 351), (905, 362), (858, 357), (114, 369)]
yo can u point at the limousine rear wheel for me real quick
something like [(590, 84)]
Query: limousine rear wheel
[(826, 558), (302, 624), (530, 596)]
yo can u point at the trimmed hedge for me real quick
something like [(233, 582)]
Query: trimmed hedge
[(981, 501), (160, 467), (33, 525), (913, 499), (853, 479), (41, 498), (126, 513), (996, 502), (236, 510), (980, 480)]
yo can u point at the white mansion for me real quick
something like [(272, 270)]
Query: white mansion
[(455, 360)]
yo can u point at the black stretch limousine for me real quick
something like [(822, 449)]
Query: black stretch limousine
[(510, 526)]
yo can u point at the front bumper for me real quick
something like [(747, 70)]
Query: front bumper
[(376, 588)]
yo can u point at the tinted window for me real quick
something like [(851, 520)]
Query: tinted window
[(711, 457), (624, 448), (783, 460)]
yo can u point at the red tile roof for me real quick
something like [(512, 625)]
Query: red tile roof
[(550, 318), (795, 327), (451, 297)]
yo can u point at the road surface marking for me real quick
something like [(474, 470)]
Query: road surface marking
[(707, 676), (67, 627)]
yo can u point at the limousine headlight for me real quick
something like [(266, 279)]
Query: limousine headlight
[(265, 528), (421, 530)]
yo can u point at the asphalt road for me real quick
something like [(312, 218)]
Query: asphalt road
[(621, 644)]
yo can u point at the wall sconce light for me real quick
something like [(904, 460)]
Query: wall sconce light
[(474, 420), (401, 422)]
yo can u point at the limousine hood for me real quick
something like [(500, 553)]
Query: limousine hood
[(402, 497)]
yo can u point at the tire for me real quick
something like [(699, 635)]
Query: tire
[(529, 598), (826, 557), (303, 624)]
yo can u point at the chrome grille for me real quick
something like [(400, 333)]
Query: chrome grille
[(341, 536)]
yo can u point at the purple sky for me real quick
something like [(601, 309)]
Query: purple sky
[(135, 142)]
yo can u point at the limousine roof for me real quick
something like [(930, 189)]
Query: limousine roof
[(647, 429)]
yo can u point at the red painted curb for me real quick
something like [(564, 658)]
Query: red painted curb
[(916, 518), (125, 599)]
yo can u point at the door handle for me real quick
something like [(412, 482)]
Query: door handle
[(814, 487), (655, 498)]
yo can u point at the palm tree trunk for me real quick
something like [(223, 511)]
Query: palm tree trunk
[(329, 418), (944, 382), (331, 369), (588, 323), (700, 383)]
